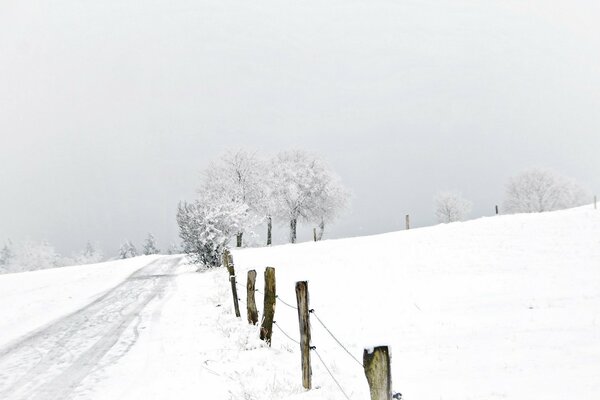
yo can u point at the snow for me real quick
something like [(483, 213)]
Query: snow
[(496, 308)]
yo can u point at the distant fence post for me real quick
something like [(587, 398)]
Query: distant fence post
[(314, 234), (228, 263), (376, 362), (304, 320), (250, 300), (266, 327), (497, 210), (407, 222)]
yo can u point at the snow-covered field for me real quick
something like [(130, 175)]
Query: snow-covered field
[(495, 308)]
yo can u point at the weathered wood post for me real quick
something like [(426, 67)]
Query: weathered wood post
[(407, 222), (228, 263), (315, 234), (497, 212), (376, 362), (304, 322), (266, 327), (251, 301)]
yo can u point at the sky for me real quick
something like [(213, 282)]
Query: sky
[(110, 110)]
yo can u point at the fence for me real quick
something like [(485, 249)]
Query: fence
[(376, 362)]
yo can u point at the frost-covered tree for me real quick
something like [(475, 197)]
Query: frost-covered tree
[(330, 202), (304, 189), (539, 190), (174, 249), (150, 245), (89, 255), (205, 228), (127, 250), (6, 256), (451, 207), (236, 178), (30, 256)]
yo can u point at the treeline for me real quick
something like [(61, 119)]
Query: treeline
[(240, 191), (31, 256)]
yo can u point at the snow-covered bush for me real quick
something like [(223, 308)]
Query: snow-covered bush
[(451, 207), (539, 190), (206, 226)]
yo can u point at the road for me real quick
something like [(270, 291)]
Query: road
[(50, 362)]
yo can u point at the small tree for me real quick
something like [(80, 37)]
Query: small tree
[(30, 256), (127, 250), (451, 207), (539, 190), (89, 255), (150, 245), (174, 249), (331, 199), (205, 228)]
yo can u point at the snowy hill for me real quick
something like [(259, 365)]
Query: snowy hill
[(495, 308)]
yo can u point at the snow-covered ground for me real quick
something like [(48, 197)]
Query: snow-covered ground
[(495, 308)]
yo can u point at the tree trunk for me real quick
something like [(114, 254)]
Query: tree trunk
[(239, 239), (321, 230), (293, 224), (269, 230)]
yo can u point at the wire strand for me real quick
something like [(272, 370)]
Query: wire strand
[(286, 303), (335, 338), (330, 374), (282, 331)]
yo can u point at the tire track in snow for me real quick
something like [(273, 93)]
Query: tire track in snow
[(50, 362)]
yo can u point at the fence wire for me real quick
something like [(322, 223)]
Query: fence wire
[(335, 338), (330, 374), (284, 332), (286, 303)]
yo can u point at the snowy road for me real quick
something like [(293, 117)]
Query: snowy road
[(50, 362)]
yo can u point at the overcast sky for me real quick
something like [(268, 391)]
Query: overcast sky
[(110, 109)]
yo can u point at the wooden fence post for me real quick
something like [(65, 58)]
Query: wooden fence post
[(251, 301), (228, 263), (266, 327), (497, 210), (407, 222), (304, 319), (314, 234), (376, 362)]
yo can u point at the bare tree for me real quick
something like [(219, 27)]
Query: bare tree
[(451, 207), (331, 200), (539, 190)]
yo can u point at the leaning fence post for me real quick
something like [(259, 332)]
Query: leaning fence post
[(376, 362), (304, 320), (228, 263), (251, 301), (266, 327)]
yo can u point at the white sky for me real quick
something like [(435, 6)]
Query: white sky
[(110, 109)]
